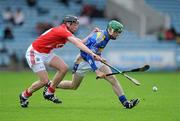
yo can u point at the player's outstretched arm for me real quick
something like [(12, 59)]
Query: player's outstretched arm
[(77, 42)]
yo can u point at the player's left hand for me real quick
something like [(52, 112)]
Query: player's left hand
[(96, 29), (100, 74), (103, 60), (97, 57)]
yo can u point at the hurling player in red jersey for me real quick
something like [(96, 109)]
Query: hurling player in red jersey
[(40, 53)]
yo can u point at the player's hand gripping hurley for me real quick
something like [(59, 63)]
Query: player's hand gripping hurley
[(136, 82)]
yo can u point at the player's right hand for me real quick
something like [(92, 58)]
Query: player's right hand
[(100, 74)]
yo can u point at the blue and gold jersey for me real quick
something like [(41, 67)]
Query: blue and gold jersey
[(97, 42)]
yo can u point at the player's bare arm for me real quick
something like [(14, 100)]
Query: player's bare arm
[(81, 46)]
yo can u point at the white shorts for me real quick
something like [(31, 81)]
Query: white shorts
[(84, 67), (37, 60)]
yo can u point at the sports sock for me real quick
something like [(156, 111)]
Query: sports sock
[(26, 94), (122, 99), (50, 91)]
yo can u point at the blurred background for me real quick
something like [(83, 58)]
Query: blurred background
[(151, 35)]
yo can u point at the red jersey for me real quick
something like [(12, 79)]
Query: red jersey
[(53, 38)]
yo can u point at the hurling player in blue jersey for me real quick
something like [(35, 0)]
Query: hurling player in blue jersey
[(84, 63)]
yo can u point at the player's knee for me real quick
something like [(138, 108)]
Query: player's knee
[(44, 81), (64, 69), (75, 86), (113, 82)]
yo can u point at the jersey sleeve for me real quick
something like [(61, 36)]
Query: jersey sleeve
[(64, 33), (88, 58), (91, 62)]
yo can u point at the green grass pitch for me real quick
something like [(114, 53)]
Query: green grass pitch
[(94, 100)]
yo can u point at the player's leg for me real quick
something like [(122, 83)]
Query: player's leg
[(118, 89), (38, 67), (80, 69), (61, 67), (73, 84), (113, 81), (43, 79)]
